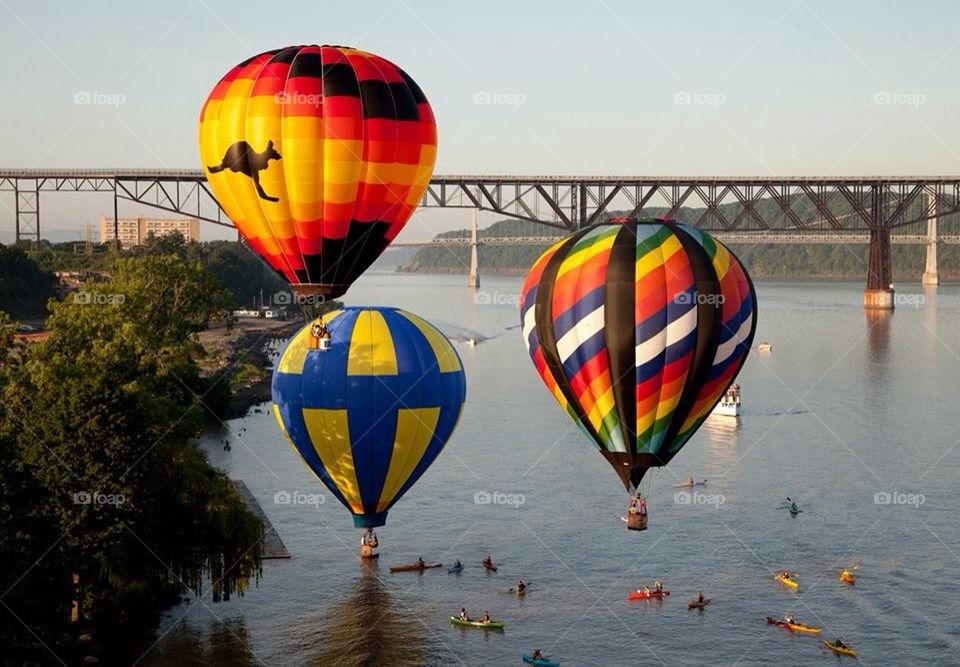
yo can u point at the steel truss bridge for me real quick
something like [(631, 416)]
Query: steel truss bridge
[(877, 210)]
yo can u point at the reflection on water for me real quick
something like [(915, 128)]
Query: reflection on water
[(878, 338), (367, 626), (221, 643), (719, 435)]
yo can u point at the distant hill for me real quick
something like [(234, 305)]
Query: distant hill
[(763, 261)]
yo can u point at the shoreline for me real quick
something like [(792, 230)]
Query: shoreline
[(240, 354), (945, 277)]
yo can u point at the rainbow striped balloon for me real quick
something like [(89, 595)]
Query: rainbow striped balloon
[(637, 328)]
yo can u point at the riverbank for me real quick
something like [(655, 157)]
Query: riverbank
[(242, 355)]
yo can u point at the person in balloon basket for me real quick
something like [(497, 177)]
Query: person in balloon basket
[(320, 335)]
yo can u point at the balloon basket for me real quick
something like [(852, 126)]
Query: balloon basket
[(636, 521)]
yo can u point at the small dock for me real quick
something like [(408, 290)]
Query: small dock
[(273, 546)]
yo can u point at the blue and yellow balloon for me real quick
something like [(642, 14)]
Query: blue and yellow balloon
[(371, 413)]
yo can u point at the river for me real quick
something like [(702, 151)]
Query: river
[(853, 415)]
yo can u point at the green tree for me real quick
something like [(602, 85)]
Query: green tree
[(101, 415)]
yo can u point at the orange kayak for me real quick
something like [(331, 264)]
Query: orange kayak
[(847, 578), (414, 567)]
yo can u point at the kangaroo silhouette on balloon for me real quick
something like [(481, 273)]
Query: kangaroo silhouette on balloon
[(241, 158)]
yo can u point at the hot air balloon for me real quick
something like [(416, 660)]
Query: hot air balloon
[(637, 328), (369, 412), (319, 155)]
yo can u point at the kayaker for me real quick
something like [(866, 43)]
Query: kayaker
[(486, 617), (789, 619), (420, 562), (536, 655), (839, 644), (690, 481), (646, 590), (458, 564), (521, 587), (488, 561), (658, 586), (463, 614), (700, 597)]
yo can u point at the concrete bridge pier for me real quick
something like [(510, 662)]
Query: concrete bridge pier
[(930, 273), (473, 280)]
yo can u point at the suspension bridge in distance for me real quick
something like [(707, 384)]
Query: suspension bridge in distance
[(876, 210)]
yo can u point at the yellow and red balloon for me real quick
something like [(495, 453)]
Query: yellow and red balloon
[(319, 155)]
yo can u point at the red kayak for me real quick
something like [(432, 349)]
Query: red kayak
[(414, 567), (644, 595), (490, 566)]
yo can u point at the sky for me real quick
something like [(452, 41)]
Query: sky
[(743, 87)]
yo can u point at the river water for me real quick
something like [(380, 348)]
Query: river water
[(854, 416)]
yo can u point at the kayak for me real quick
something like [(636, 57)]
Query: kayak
[(643, 595), (787, 581), (842, 650), (415, 567), (793, 627), (699, 605), (474, 623), (847, 578), (490, 566), (687, 485), (540, 662), (453, 569)]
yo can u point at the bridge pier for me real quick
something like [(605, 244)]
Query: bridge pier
[(930, 274), (879, 292), (473, 280)]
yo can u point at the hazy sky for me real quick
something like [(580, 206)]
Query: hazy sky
[(608, 87)]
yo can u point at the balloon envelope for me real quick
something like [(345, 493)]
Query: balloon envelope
[(637, 328), (370, 414), (319, 155)]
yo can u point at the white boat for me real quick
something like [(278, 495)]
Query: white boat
[(764, 347), (729, 405)]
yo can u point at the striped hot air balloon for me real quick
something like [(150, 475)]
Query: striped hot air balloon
[(637, 327), (371, 413), (319, 155)]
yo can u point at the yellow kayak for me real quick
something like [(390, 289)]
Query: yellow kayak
[(787, 581), (793, 627), (842, 650)]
